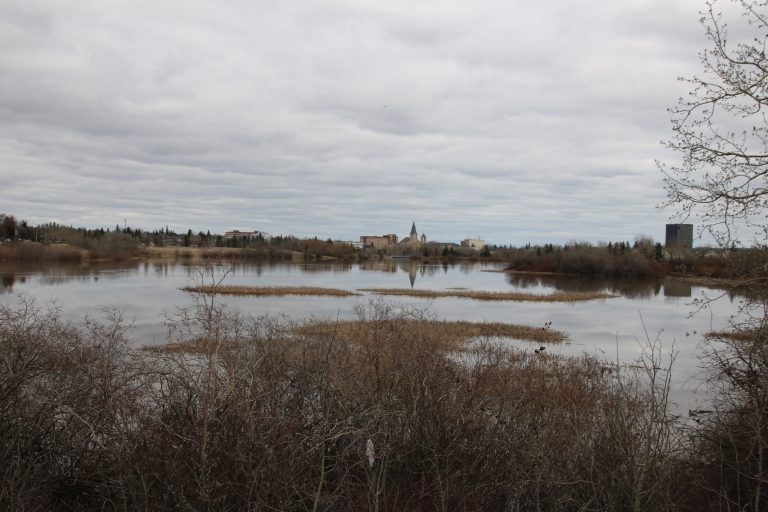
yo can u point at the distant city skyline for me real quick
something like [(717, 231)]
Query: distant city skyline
[(253, 233), (513, 122)]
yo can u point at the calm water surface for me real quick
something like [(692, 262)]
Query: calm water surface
[(146, 291)]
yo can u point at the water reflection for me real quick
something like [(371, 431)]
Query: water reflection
[(145, 290), (633, 289), (325, 267), (57, 273), (416, 269), (677, 288), (630, 288), (13, 275), (8, 280), (379, 266)]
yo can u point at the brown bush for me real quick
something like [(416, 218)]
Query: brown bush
[(113, 245), (269, 416), (729, 439), (584, 260), (32, 251)]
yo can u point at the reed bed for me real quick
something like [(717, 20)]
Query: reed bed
[(263, 291), (489, 295), (453, 333), (737, 335), (31, 251)]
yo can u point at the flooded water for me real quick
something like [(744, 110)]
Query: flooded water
[(612, 328)]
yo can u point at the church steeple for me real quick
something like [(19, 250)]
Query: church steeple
[(413, 229)]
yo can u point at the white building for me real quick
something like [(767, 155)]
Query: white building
[(473, 243), (236, 233)]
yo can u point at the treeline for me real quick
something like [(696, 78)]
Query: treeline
[(257, 414), (124, 242), (643, 258), (51, 241), (11, 229), (614, 260)]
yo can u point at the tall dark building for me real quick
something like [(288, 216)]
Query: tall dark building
[(679, 236)]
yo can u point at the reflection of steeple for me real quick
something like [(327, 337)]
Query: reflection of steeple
[(412, 273)]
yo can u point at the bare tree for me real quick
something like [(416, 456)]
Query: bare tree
[(721, 133), (720, 128)]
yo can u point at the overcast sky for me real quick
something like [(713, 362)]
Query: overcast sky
[(514, 121)]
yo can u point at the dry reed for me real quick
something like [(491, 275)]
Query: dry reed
[(491, 295), (454, 333), (738, 335), (262, 291)]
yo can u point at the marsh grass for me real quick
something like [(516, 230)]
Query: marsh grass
[(264, 291), (734, 335), (491, 295), (739, 334), (31, 251), (453, 334)]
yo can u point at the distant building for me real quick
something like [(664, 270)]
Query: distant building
[(236, 233), (379, 242), (679, 237), (473, 243), (413, 239)]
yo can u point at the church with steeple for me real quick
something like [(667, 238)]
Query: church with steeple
[(413, 240)]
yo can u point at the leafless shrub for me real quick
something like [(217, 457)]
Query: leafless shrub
[(31, 251), (67, 396), (730, 438), (113, 245), (381, 414)]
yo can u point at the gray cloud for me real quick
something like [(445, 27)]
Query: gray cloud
[(509, 120)]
